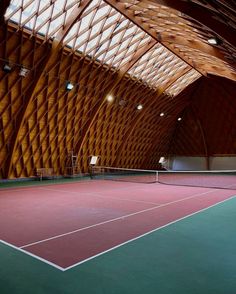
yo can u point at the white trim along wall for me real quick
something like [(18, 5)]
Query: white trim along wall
[(199, 163)]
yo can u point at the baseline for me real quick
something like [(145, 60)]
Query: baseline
[(33, 255), (115, 247), (147, 233)]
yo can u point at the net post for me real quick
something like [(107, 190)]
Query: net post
[(157, 176)]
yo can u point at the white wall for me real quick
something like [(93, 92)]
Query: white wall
[(188, 163), (219, 163), (199, 163)]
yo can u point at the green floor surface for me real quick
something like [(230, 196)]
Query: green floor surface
[(194, 256)]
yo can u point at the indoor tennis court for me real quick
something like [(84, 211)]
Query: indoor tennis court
[(117, 147), (69, 227)]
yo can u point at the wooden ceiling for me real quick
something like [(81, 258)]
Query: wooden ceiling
[(150, 52)]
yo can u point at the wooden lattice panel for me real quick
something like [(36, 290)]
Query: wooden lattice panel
[(45, 17), (14, 86), (158, 67), (56, 118), (107, 133), (179, 34), (141, 52), (113, 31), (182, 82), (106, 35), (151, 137)]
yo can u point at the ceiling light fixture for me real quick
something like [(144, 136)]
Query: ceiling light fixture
[(162, 114), (69, 86), (7, 68), (180, 118), (140, 106), (110, 98), (214, 41), (23, 72)]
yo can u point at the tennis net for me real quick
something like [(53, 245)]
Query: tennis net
[(223, 179)]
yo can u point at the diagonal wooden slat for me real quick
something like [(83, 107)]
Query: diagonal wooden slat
[(203, 16), (50, 59), (141, 116), (136, 20), (119, 77)]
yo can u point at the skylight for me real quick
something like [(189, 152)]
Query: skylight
[(41, 16), (183, 82), (103, 34)]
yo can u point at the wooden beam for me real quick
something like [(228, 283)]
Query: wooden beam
[(168, 39), (72, 19), (166, 133), (199, 124), (120, 7), (202, 16), (172, 136), (141, 116), (121, 73), (50, 59)]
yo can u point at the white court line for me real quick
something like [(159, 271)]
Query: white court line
[(36, 185), (33, 255), (147, 233), (26, 188), (115, 247), (16, 190), (115, 219), (97, 194)]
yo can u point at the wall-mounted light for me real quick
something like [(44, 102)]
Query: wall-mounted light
[(69, 86), (162, 114), (110, 98), (7, 68), (162, 159), (23, 72), (179, 118), (140, 106), (214, 41)]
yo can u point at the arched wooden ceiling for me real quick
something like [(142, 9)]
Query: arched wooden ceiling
[(141, 52)]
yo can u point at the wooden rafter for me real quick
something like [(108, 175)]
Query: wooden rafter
[(40, 121), (73, 17), (164, 132), (203, 16), (119, 77), (153, 33), (184, 37), (141, 116), (171, 134), (50, 59)]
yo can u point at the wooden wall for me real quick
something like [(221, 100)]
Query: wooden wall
[(40, 121), (208, 127)]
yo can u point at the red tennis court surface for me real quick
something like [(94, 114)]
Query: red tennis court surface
[(66, 224)]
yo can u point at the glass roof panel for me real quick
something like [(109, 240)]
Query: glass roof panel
[(108, 35), (103, 34), (156, 67), (186, 79), (41, 16)]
